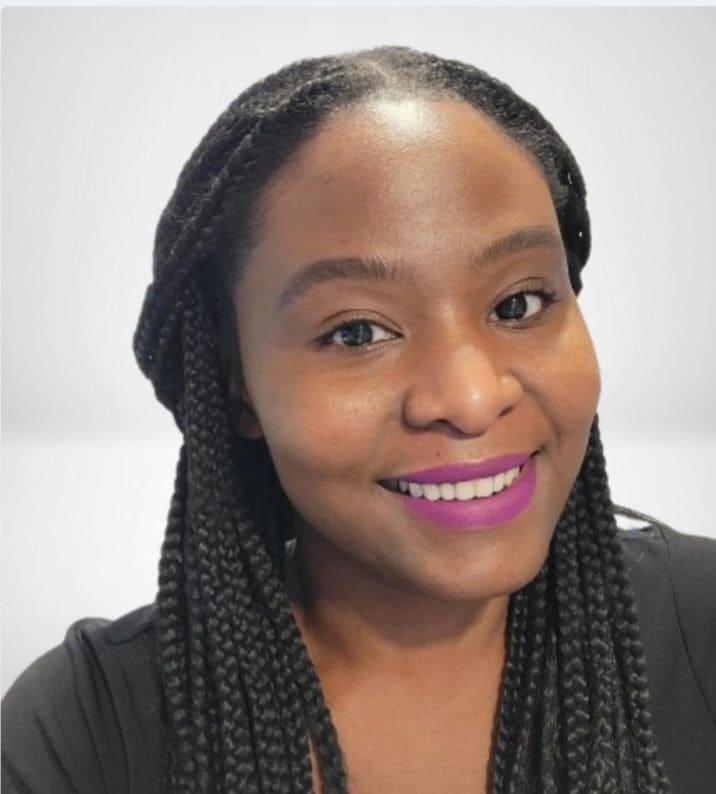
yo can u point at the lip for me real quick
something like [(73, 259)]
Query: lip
[(457, 472), (475, 514)]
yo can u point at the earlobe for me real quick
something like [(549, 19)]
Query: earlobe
[(248, 424), (243, 417)]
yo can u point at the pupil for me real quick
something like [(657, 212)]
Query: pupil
[(356, 333), (513, 308)]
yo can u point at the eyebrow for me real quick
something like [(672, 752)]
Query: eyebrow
[(376, 269)]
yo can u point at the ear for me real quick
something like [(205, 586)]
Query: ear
[(242, 414), (241, 411)]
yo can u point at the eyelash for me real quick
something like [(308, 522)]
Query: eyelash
[(548, 298)]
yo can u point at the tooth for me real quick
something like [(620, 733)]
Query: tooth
[(462, 491), (431, 492), (483, 487), (447, 491), (465, 491), (415, 489)]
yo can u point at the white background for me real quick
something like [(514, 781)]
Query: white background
[(101, 108)]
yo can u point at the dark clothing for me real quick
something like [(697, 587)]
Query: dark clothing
[(86, 717)]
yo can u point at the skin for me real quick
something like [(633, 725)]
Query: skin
[(404, 621)]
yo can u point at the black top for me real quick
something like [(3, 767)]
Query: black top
[(86, 717)]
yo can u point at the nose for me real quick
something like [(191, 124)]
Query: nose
[(462, 384)]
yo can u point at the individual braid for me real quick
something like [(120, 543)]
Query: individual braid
[(510, 714), (573, 688), (241, 694), (629, 649), (172, 606), (601, 774)]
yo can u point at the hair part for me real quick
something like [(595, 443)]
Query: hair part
[(241, 694)]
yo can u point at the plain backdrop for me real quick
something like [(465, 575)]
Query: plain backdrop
[(101, 108)]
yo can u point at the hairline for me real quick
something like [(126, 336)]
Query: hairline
[(258, 209)]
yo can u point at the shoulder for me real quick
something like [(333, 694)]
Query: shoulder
[(673, 576), (88, 711), (679, 550), (672, 570), (654, 552)]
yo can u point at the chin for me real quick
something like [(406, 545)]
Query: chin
[(490, 576)]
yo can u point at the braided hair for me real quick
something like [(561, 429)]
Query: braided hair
[(241, 695)]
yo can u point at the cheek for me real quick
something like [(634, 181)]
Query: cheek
[(582, 382), (323, 443), (565, 382), (320, 429)]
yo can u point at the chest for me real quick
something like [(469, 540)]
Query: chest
[(397, 745)]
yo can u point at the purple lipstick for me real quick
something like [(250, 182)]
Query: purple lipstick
[(472, 496)]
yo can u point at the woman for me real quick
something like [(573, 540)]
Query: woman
[(391, 561)]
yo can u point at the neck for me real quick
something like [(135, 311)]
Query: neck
[(354, 620)]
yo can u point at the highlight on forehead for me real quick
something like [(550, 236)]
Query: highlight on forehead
[(375, 268)]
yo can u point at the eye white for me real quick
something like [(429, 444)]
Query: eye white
[(534, 304)]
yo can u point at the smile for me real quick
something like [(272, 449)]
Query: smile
[(468, 505), (462, 491)]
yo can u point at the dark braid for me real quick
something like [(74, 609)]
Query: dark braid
[(625, 628), (241, 694)]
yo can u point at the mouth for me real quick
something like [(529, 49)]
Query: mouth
[(468, 505), (463, 490)]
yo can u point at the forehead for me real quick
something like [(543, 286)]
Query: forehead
[(418, 176)]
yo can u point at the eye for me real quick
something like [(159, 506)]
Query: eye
[(523, 305), (354, 333)]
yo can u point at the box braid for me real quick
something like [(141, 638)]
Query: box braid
[(241, 695)]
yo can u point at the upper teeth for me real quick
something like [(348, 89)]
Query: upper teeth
[(462, 491)]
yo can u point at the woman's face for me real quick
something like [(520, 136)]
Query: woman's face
[(439, 365)]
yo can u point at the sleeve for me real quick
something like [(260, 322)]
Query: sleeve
[(54, 736), (87, 717)]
